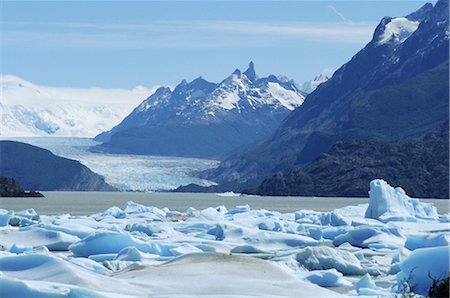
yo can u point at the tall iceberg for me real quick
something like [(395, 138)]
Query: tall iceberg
[(387, 203)]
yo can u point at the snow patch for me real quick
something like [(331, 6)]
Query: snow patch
[(398, 30)]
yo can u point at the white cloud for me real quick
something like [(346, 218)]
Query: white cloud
[(181, 34)]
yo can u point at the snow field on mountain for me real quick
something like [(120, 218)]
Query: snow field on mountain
[(140, 251), (28, 109)]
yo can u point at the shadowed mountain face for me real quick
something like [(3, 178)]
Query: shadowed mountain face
[(204, 119), (395, 89), (418, 166), (39, 169)]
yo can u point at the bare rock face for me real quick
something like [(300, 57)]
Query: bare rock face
[(39, 169)]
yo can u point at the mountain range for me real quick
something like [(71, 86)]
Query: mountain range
[(32, 110), (205, 119), (396, 89)]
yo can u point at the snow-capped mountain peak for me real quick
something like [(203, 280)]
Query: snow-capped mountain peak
[(397, 30), (241, 108), (311, 85)]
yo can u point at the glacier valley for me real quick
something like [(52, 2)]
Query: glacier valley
[(143, 173)]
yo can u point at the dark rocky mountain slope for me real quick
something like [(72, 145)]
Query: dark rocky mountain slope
[(418, 166), (39, 169)]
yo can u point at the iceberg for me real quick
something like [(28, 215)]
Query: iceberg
[(328, 278), (323, 257), (392, 204)]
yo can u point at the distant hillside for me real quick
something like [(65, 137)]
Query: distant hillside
[(420, 167), (11, 188), (39, 169)]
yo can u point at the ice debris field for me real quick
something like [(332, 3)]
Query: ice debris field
[(394, 244)]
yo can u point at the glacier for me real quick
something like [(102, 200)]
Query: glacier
[(143, 173)]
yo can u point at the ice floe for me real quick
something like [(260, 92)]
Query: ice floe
[(391, 245)]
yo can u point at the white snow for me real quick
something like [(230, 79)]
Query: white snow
[(288, 98), (28, 109), (141, 250), (237, 92), (398, 30)]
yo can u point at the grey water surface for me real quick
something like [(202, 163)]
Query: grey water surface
[(85, 203)]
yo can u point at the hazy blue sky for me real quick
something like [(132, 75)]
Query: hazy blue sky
[(124, 44)]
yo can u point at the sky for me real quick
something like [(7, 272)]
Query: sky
[(118, 44)]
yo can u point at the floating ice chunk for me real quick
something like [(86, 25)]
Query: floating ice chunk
[(392, 204), (331, 233), (28, 213), (371, 237), (129, 254), (228, 194), (270, 225), (323, 257), (365, 282), (246, 249), (328, 278), (426, 240), (5, 216), (112, 242), (212, 213), (239, 209), (321, 218), (423, 264), (104, 242), (217, 231), (36, 236), (135, 208), (70, 228), (142, 228), (114, 211), (397, 259), (19, 249), (192, 212)]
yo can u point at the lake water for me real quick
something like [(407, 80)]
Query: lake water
[(84, 203)]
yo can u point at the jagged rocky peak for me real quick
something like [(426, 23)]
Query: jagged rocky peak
[(250, 72)]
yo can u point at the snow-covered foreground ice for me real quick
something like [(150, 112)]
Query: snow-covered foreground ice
[(390, 245)]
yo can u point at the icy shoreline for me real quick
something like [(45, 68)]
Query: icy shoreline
[(144, 251)]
